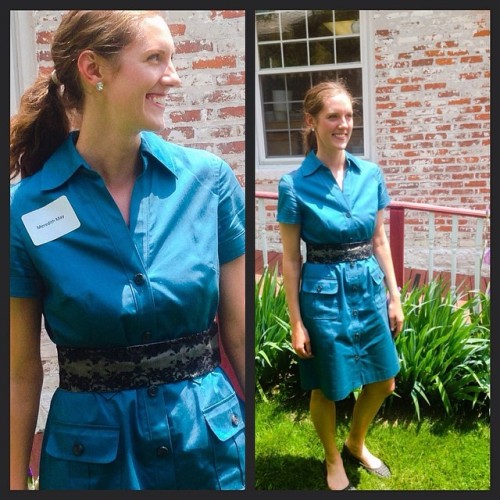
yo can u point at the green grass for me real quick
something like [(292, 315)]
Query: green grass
[(435, 453)]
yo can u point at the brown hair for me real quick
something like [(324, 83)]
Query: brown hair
[(313, 104), (48, 107)]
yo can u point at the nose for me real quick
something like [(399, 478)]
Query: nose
[(170, 77), (344, 121)]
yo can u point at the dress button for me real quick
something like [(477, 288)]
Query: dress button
[(161, 451), (348, 215), (153, 391), (78, 449), (356, 358), (146, 337), (235, 419), (139, 279), (319, 288)]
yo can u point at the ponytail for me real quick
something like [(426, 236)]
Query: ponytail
[(309, 141), (39, 128)]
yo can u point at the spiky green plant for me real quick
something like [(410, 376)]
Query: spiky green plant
[(272, 331), (444, 348)]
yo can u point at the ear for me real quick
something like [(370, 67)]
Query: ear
[(309, 120), (89, 66)]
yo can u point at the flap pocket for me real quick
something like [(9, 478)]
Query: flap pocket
[(225, 418), (326, 286), (377, 273), (83, 443)]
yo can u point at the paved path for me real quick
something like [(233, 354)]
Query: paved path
[(50, 379)]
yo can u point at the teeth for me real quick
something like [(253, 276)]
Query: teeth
[(158, 100)]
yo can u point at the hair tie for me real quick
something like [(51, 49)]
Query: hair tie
[(55, 79)]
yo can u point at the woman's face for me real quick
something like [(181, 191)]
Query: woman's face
[(333, 124), (137, 91)]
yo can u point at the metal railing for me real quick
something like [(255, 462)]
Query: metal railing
[(397, 213)]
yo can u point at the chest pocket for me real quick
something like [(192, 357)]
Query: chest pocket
[(319, 297)]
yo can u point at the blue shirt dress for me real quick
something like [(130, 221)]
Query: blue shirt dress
[(343, 305), (106, 284)]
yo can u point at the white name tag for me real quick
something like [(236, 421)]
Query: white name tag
[(51, 221)]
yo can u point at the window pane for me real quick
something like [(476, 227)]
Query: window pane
[(270, 56), (277, 144), (355, 145), (320, 23), (293, 25), (322, 52), (267, 26), (348, 50), (295, 54)]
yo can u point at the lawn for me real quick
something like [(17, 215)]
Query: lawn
[(435, 453)]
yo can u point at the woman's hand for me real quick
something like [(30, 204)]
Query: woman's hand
[(396, 316), (301, 342)]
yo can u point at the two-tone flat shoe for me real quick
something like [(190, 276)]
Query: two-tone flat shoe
[(349, 486), (381, 471)]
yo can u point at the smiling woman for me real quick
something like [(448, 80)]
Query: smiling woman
[(131, 249), (343, 326)]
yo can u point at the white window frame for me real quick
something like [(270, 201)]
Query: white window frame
[(23, 64), (274, 167)]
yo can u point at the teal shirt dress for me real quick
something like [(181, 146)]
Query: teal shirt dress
[(343, 305), (106, 284)]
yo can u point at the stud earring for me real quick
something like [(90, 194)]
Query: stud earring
[(99, 86)]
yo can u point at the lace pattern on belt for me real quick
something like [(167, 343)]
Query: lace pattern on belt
[(121, 368), (332, 254)]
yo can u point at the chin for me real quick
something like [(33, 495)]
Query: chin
[(154, 127)]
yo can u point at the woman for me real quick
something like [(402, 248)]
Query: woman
[(132, 250), (341, 331)]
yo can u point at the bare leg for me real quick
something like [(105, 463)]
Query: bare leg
[(323, 416), (366, 407)]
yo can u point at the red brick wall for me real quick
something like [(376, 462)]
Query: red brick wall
[(432, 73)]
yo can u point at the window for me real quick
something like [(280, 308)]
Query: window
[(295, 50)]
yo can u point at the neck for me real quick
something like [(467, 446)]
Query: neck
[(115, 158), (335, 162)]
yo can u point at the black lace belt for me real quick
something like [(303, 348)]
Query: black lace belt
[(331, 254), (120, 368)]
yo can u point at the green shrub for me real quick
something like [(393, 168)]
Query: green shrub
[(444, 348), (273, 349)]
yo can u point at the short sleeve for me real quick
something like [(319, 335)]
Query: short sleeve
[(25, 281), (231, 216), (287, 211), (383, 196)]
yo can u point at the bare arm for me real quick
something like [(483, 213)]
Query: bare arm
[(292, 266), (26, 379), (231, 315), (382, 252)]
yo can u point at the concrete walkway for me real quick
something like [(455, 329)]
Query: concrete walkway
[(50, 378)]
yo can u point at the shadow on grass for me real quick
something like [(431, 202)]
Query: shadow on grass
[(287, 472), (395, 410)]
